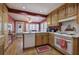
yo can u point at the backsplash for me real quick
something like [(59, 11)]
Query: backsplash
[(72, 24)]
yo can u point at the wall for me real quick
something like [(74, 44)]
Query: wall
[(72, 23), (11, 21)]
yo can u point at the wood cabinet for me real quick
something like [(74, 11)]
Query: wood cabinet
[(55, 18), (1, 19), (41, 39), (51, 39), (71, 9), (45, 38), (5, 24), (62, 12), (38, 39), (1, 44), (49, 20), (1, 49), (75, 46), (77, 20)]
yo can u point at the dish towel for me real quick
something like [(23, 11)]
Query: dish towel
[(63, 44)]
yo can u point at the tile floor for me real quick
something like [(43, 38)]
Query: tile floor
[(33, 51)]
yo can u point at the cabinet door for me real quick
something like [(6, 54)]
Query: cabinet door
[(55, 19), (71, 9), (0, 18), (49, 20), (62, 12), (45, 38), (1, 45), (77, 20), (5, 24), (1, 49), (38, 38), (51, 39)]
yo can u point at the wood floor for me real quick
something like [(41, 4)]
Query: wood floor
[(33, 51)]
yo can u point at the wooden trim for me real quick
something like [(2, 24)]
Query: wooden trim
[(43, 21)]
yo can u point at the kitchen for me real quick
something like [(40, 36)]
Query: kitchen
[(39, 28)]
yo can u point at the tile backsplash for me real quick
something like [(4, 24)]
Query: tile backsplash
[(72, 23)]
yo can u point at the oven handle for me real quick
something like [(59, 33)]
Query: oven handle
[(68, 41)]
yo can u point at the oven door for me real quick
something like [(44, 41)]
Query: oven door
[(64, 44)]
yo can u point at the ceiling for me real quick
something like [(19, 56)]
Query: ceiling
[(25, 17), (40, 8)]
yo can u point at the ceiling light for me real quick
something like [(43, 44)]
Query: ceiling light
[(24, 7), (41, 11)]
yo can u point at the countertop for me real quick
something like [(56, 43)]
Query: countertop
[(67, 35), (74, 36), (1, 36), (31, 32)]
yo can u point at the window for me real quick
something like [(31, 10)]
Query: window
[(43, 27), (32, 27)]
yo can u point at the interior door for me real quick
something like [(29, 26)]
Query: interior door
[(19, 27)]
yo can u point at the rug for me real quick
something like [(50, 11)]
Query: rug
[(43, 49)]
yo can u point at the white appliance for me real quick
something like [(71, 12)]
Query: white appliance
[(68, 41), (29, 40)]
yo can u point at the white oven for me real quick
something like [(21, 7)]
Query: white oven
[(64, 42)]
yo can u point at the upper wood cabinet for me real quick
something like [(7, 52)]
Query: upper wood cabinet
[(49, 20), (77, 20), (55, 18), (71, 9), (62, 12), (1, 20)]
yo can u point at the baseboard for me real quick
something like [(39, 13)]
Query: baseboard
[(40, 45)]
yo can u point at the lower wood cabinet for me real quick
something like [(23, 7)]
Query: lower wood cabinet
[(38, 39), (1, 44), (51, 39), (41, 39), (45, 38), (1, 49)]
